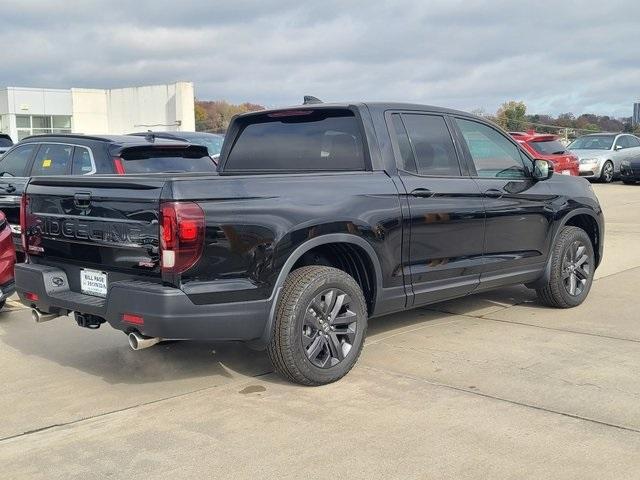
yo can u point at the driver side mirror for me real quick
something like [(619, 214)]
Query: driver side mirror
[(542, 170), (617, 147)]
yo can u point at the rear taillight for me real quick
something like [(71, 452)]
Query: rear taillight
[(118, 166), (181, 235), (24, 203)]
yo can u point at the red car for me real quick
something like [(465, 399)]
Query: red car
[(7, 261), (547, 147)]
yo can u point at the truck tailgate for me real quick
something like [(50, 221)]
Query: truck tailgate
[(102, 223)]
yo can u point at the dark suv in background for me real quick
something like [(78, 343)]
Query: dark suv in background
[(70, 154), (213, 141), (5, 143)]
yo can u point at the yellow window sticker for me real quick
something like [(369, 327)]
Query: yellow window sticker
[(46, 163)]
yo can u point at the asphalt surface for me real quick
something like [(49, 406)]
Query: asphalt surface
[(489, 386)]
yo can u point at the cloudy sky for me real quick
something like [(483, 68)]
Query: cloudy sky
[(557, 56)]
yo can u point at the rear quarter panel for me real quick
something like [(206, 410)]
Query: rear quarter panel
[(255, 222)]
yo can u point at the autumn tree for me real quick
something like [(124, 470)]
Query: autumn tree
[(214, 116), (512, 115), (201, 118)]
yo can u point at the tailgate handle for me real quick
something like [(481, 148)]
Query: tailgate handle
[(82, 200)]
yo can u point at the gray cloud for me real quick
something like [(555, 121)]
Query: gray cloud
[(556, 56)]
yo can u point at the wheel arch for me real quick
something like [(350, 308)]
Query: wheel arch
[(297, 255), (588, 221)]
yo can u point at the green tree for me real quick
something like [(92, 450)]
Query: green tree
[(512, 115)]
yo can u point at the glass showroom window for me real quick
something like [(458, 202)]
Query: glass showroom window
[(42, 124)]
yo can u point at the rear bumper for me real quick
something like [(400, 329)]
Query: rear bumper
[(167, 312)]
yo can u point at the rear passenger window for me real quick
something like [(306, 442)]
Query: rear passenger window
[(82, 162), (493, 155), (432, 146), (408, 161), (633, 142), (298, 140), (52, 159)]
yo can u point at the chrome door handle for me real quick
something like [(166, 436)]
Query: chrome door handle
[(422, 193), (493, 193)]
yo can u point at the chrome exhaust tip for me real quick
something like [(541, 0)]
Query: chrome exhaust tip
[(40, 317), (139, 342)]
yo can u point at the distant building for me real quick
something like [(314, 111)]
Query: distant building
[(29, 111), (636, 114)]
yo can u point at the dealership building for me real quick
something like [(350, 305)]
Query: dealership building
[(31, 111)]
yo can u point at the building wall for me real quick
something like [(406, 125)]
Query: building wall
[(156, 107), (90, 111), (96, 111)]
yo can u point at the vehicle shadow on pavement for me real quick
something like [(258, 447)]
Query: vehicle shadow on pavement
[(474, 305), (106, 354)]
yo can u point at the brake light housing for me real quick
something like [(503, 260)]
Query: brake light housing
[(118, 165), (182, 229)]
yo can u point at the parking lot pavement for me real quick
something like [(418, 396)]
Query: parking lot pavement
[(488, 386)]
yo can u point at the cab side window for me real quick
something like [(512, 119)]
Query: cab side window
[(14, 163), (493, 155), (52, 159), (633, 141), (426, 147)]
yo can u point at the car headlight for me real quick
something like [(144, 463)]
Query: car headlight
[(584, 161)]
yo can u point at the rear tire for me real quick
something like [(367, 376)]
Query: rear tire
[(2, 303), (572, 269), (320, 326), (607, 173)]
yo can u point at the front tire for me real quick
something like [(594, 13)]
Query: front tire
[(320, 326), (572, 269), (606, 175)]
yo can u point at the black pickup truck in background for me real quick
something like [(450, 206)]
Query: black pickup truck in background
[(319, 217)]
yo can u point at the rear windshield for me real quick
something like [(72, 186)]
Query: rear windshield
[(549, 147), (5, 142), (157, 160), (302, 140)]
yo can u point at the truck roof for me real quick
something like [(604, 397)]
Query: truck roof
[(378, 106)]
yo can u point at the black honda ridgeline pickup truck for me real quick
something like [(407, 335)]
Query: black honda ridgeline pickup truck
[(320, 216)]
